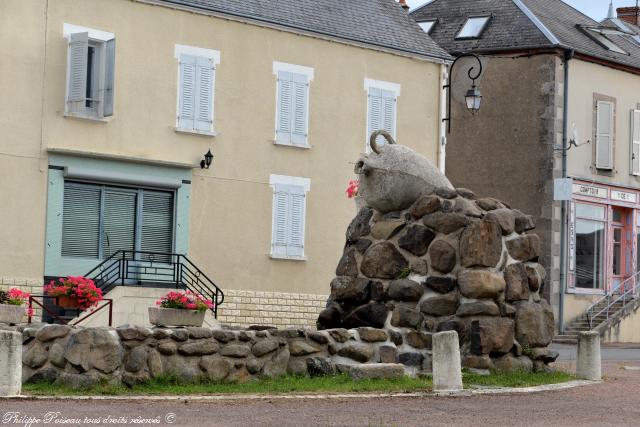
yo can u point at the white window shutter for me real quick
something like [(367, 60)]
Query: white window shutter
[(604, 135), (204, 94), (285, 101), (635, 142), (187, 95), (375, 115), (77, 84), (300, 85), (389, 112), (280, 220), (295, 243), (109, 77)]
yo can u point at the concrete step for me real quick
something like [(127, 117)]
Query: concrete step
[(566, 339)]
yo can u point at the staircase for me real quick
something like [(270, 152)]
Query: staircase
[(605, 312), (155, 269)]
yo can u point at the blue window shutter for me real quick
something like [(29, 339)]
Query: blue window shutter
[(204, 94), (119, 221), (389, 112), (77, 84), (157, 222), (109, 77), (279, 235), (187, 92), (285, 103), (300, 109), (81, 220), (296, 222)]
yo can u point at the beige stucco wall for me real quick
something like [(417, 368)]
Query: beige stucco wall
[(585, 79), (576, 304), (230, 229), (626, 331)]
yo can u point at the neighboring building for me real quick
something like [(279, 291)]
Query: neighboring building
[(108, 107), (532, 51)]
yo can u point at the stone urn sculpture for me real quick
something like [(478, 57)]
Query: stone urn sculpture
[(393, 176)]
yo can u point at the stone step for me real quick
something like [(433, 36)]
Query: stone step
[(565, 339)]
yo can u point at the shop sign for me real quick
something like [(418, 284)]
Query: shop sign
[(572, 237), (590, 190), (623, 196)]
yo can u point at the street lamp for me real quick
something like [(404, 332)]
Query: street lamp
[(206, 162), (473, 98)]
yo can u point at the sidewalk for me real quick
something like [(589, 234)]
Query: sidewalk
[(611, 352)]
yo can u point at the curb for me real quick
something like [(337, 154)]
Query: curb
[(324, 396)]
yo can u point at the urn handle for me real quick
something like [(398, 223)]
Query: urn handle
[(374, 144)]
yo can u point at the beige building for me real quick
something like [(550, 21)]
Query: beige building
[(559, 82), (108, 108)]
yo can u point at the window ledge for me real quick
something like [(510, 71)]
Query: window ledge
[(288, 257), (585, 291), (87, 117), (196, 132), (288, 144)]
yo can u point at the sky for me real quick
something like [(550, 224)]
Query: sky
[(596, 9)]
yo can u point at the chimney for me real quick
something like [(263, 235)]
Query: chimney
[(404, 4), (629, 14)]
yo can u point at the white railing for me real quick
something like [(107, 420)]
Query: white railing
[(619, 294)]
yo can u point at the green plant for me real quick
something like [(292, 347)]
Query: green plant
[(404, 273)]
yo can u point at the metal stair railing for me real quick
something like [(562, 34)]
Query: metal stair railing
[(620, 294), (139, 268)]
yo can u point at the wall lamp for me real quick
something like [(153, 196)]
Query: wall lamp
[(206, 162), (473, 97)]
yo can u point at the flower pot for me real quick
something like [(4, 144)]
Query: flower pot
[(67, 302), (11, 314), (175, 317)]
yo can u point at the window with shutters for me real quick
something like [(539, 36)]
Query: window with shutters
[(289, 210), (604, 133), (196, 88), (382, 99), (292, 104), (98, 220), (90, 72), (635, 143)]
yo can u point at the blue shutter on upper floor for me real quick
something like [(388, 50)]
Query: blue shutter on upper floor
[(187, 92), (204, 94), (284, 104), (109, 77), (299, 108), (81, 220), (77, 72)]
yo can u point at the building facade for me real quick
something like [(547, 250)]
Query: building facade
[(551, 86), (109, 107)]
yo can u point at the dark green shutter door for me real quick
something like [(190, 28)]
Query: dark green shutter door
[(157, 222), (119, 221), (81, 221)]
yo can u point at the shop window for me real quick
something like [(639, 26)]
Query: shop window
[(590, 246)]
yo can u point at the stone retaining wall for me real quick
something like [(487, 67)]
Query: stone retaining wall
[(80, 357)]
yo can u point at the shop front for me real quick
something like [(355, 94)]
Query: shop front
[(603, 238)]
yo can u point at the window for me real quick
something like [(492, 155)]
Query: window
[(90, 72), (604, 134), (473, 27), (98, 220), (635, 142), (289, 208), (600, 36), (196, 83), (590, 246), (427, 26), (292, 104), (381, 108)]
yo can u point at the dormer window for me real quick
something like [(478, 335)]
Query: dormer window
[(473, 27), (600, 36), (427, 26)]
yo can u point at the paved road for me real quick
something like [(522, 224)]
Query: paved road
[(614, 403)]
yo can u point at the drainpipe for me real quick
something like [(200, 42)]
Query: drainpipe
[(568, 55)]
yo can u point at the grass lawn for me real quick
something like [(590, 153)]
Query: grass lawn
[(295, 384)]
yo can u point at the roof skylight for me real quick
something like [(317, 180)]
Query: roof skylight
[(427, 26), (600, 36), (473, 28)]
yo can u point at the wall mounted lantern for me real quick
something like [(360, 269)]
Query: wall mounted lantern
[(473, 97), (206, 162)]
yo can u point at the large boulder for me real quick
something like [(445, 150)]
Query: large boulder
[(534, 323), (491, 335), (525, 247), (442, 256), (441, 305), (481, 244), (416, 239), (383, 261), (481, 283), (94, 348), (517, 281), (404, 290)]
